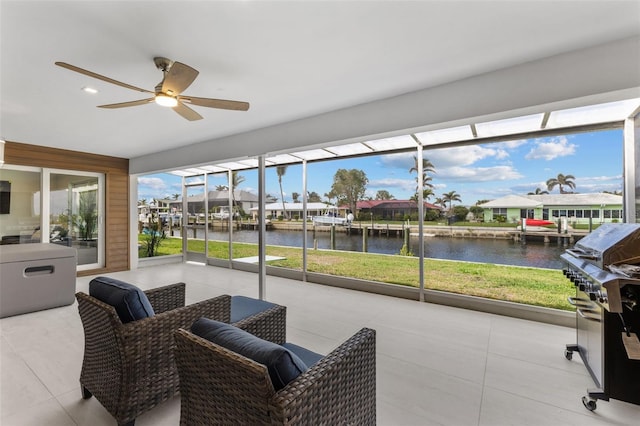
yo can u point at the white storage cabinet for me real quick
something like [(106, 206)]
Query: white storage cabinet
[(36, 276)]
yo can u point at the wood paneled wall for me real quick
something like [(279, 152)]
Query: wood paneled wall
[(116, 172)]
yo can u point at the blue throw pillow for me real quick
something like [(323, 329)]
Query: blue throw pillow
[(130, 302), (282, 364)]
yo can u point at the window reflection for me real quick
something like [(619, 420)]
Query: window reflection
[(74, 214), (20, 218)]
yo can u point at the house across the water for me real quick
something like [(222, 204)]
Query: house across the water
[(577, 208), (294, 210), (391, 209)]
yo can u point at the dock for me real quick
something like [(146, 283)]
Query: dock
[(396, 230), (564, 238)]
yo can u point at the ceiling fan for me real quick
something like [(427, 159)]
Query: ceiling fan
[(176, 78)]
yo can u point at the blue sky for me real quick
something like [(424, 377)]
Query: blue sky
[(477, 172)]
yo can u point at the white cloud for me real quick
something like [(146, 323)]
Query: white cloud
[(371, 193), (153, 183), (480, 174), (437, 186), (511, 144), (388, 183), (398, 161), (489, 193), (600, 187), (583, 185), (550, 148), (525, 188), (447, 157), (599, 183), (460, 156), (600, 178), (501, 154)]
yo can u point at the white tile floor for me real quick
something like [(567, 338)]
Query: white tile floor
[(436, 365)]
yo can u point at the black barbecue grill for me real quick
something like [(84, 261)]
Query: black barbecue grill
[(603, 266)]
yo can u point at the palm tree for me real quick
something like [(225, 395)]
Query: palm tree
[(329, 196), (383, 194), (236, 180), (176, 196), (538, 192), (450, 197), (561, 181), (221, 187), (427, 167), (281, 170), (426, 194)]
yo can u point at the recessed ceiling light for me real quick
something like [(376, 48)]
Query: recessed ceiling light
[(90, 90)]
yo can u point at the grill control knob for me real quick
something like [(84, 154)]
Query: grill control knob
[(593, 296), (582, 286)]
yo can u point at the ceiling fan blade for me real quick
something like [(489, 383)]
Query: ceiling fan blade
[(100, 77), (216, 103), (186, 112), (178, 78), (127, 104)]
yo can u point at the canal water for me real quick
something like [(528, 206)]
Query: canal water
[(505, 252)]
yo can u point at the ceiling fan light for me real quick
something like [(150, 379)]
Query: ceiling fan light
[(91, 90), (166, 101)]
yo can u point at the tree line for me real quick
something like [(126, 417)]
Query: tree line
[(350, 186)]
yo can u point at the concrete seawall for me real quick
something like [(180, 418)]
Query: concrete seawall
[(442, 231), (548, 235)]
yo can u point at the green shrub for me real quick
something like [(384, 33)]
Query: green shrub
[(405, 251), (152, 236), (431, 215), (460, 213)]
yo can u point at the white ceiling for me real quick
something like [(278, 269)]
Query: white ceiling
[(289, 59)]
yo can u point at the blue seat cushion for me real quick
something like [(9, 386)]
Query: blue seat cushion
[(309, 358), (282, 364), (244, 307), (129, 301)]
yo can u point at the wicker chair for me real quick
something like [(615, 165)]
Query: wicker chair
[(130, 367), (219, 386)]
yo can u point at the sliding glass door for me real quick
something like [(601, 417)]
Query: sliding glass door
[(195, 210), (76, 212)]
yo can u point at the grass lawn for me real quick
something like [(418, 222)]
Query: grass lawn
[(532, 286)]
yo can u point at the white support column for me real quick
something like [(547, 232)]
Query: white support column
[(231, 212), (421, 221), (262, 240), (133, 222), (206, 218), (45, 206), (304, 220), (420, 171), (185, 219), (631, 185)]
